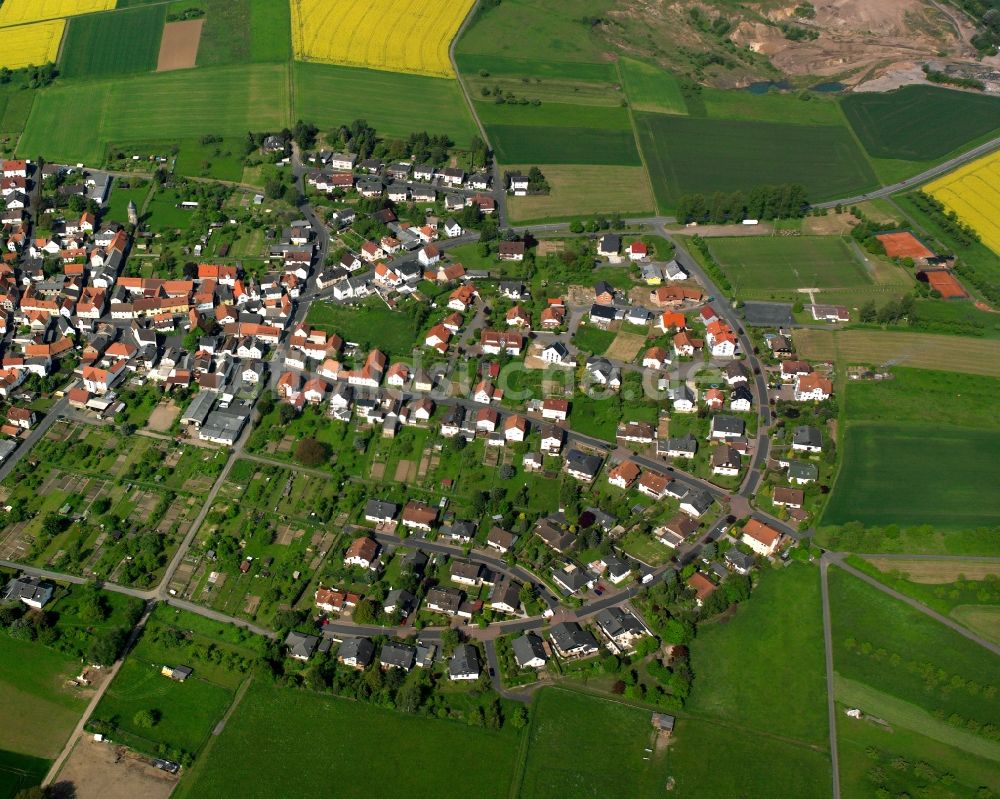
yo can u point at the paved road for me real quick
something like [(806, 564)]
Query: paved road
[(838, 559), (831, 702)]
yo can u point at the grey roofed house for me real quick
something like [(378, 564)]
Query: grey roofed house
[(554, 536), (571, 639), (399, 599), (377, 509), (674, 271), (445, 600), (301, 645), (699, 501), (617, 568), (603, 313), (528, 649), (397, 656), (358, 650), (198, 409), (742, 392), (7, 447), (610, 243), (222, 427), (413, 562), (727, 426), (559, 348), (800, 470), (32, 591), (458, 530), (464, 663), (718, 570), (603, 520), (615, 622), (807, 437), (582, 463), (571, 581), (739, 561), (506, 592), (181, 673), (734, 371), (686, 444)]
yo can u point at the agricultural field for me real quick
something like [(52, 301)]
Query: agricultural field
[(382, 34), (687, 156), (536, 144), (973, 193), (245, 31), (18, 12), (604, 756), (650, 88), (113, 44), (978, 356), (290, 731), (395, 104), (223, 100), (760, 267), (770, 107), (623, 188), (19, 772), (27, 45), (15, 105), (920, 123), (899, 665)]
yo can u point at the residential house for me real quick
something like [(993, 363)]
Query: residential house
[(761, 538), (357, 653), (570, 640), (464, 663), (363, 552)]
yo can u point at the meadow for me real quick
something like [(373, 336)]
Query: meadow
[(602, 756), (19, 772), (394, 103), (245, 31), (781, 625), (27, 45), (33, 686), (762, 265), (304, 739), (371, 324), (650, 88), (770, 107), (920, 123), (566, 115), (910, 670), (973, 193), (113, 44), (381, 34), (688, 156), (914, 474), (222, 100), (519, 144), (623, 188)]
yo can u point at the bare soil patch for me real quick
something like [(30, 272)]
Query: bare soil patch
[(406, 471), (625, 347), (179, 45), (830, 225), (934, 572), (105, 771), (378, 471), (550, 247), (162, 417)]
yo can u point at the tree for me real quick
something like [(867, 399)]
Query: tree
[(93, 606), (365, 612), (519, 719), (286, 413), (145, 719), (310, 452), (868, 312), (104, 648)]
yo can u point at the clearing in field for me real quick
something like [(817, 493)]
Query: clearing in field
[(700, 156), (920, 123), (910, 475), (623, 188), (379, 34), (973, 193), (26, 45), (179, 46), (17, 12), (759, 266), (127, 41), (975, 356), (291, 730), (606, 756)]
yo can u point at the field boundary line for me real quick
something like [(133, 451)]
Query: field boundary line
[(469, 17), (831, 701), (635, 135)]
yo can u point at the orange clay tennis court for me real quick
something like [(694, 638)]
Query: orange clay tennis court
[(903, 245)]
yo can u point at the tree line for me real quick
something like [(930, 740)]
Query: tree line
[(785, 201)]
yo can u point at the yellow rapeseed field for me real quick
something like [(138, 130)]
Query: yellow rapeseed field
[(35, 44), (17, 12), (973, 193), (394, 35)]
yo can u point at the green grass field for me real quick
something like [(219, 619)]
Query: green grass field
[(920, 123), (623, 188), (910, 669), (32, 686), (565, 115), (760, 264), (18, 772), (708, 759), (224, 100), (220, 160), (650, 88), (15, 105), (498, 65), (519, 144), (97, 45), (270, 31), (687, 156), (304, 740), (584, 746), (908, 474), (781, 625), (394, 103), (371, 324), (770, 107)]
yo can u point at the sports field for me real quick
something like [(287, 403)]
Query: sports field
[(973, 193), (587, 747), (395, 104), (920, 123), (760, 265), (978, 356), (27, 45), (113, 44), (17, 12), (688, 156), (650, 88), (311, 742), (910, 474), (223, 100), (623, 188), (378, 34)]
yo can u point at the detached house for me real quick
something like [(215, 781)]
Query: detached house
[(761, 538)]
